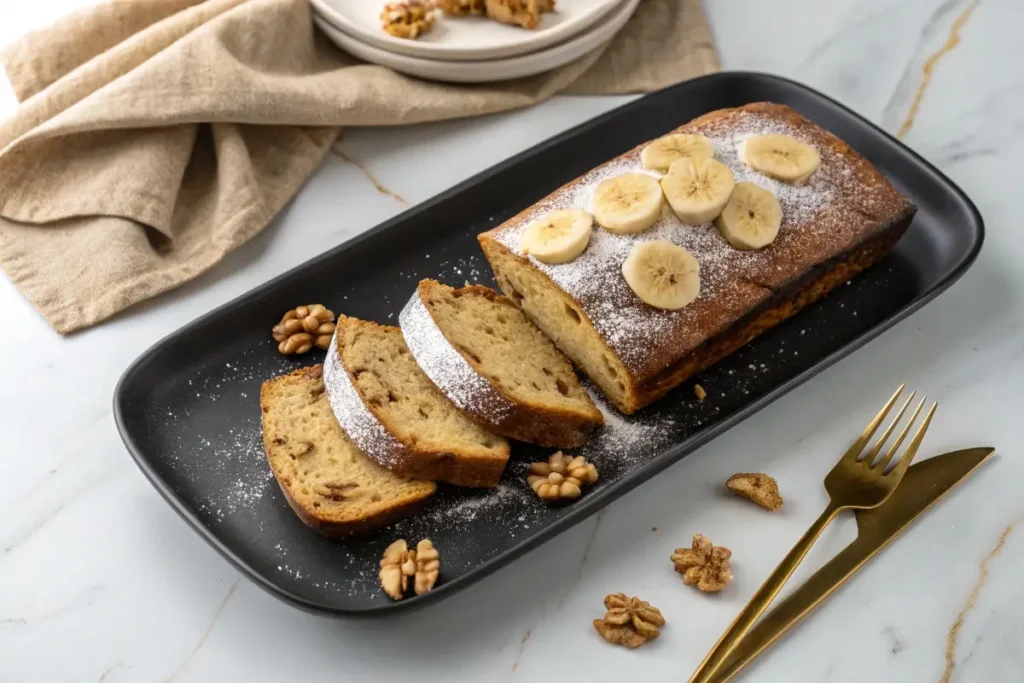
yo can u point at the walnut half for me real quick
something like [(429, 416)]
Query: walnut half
[(407, 19), (629, 622), (704, 565), (428, 566), (304, 327), (397, 565), (561, 478), (758, 487)]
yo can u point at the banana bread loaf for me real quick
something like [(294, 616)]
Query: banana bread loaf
[(796, 212)]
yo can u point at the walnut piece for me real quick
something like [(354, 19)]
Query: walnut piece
[(704, 565), (561, 478), (461, 8), (407, 19), (758, 487), (629, 622), (399, 563), (428, 566), (304, 327), (336, 490), (525, 13)]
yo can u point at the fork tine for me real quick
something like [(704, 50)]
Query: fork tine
[(904, 463), (888, 431), (863, 439), (906, 430)]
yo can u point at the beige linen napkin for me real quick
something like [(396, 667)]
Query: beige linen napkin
[(154, 136)]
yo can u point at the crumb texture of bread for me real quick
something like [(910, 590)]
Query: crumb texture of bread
[(846, 213), (495, 365), (332, 485), (392, 410)]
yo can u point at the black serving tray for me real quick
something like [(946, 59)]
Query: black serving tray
[(188, 409)]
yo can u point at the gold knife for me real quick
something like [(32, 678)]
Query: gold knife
[(923, 485)]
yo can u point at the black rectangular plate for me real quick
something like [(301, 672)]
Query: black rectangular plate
[(188, 409)]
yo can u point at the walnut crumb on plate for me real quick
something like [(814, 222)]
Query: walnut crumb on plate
[(407, 19)]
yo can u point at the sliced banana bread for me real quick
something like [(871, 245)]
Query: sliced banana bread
[(495, 365), (396, 415), (331, 484)]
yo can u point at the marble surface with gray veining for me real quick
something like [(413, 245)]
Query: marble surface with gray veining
[(101, 581)]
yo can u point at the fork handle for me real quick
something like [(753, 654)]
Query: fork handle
[(762, 598)]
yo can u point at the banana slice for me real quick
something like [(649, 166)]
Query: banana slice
[(662, 274), (627, 203), (697, 188), (752, 217), (660, 154), (558, 236), (780, 157)]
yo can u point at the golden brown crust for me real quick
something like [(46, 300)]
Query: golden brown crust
[(865, 208), (766, 317), (346, 529), (524, 420)]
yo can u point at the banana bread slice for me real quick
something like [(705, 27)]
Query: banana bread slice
[(485, 355), (396, 415), (331, 485)]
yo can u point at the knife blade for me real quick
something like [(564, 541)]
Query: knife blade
[(923, 485)]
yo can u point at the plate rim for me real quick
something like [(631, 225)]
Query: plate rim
[(521, 66), (437, 51), (614, 490)]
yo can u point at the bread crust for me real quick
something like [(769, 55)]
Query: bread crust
[(530, 421), (868, 216)]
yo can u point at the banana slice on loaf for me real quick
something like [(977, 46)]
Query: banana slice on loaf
[(396, 415), (627, 203), (494, 364), (330, 484), (781, 157)]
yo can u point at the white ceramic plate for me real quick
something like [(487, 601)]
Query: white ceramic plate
[(465, 38), (489, 70)]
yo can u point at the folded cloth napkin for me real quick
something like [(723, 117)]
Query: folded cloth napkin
[(154, 136)]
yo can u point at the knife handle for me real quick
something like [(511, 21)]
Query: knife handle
[(786, 614)]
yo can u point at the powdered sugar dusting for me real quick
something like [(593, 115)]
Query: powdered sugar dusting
[(732, 281), (444, 365), (355, 418), (625, 440)]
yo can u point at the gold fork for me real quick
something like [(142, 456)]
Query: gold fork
[(855, 482)]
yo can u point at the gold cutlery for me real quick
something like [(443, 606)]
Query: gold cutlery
[(924, 484), (855, 482)]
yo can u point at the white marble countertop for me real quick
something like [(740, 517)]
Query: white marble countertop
[(101, 581)]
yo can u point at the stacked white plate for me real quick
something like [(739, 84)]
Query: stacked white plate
[(474, 49)]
